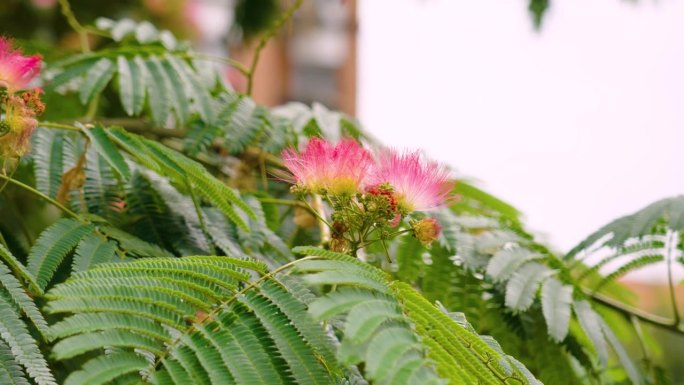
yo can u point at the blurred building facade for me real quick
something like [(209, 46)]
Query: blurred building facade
[(313, 59)]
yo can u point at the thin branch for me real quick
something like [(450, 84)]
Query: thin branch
[(323, 225), (92, 109), (287, 202), (74, 24), (384, 248), (265, 38), (671, 246), (198, 210), (233, 63), (655, 320), (11, 174), (59, 126), (265, 155), (41, 195), (640, 337), (20, 220)]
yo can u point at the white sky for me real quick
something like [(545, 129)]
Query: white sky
[(576, 125)]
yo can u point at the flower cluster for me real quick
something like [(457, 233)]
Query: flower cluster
[(20, 107), (323, 168), (370, 193)]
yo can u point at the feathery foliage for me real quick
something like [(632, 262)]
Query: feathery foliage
[(165, 256)]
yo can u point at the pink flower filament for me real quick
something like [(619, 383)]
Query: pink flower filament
[(418, 183), (336, 169), (16, 70)]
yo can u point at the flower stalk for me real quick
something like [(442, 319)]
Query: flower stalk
[(369, 195)]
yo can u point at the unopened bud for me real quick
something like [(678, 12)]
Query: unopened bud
[(4, 127), (426, 230)]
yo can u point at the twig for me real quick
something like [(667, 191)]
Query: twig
[(655, 320), (74, 24), (59, 126), (671, 245), (287, 202), (43, 196), (198, 210), (265, 38), (233, 63), (3, 241), (16, 167), (640, 337), (323, 225), (92, 109), (20, 220)]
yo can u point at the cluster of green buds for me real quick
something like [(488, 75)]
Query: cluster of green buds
[(355, 218), (19, 107), (370, 196)]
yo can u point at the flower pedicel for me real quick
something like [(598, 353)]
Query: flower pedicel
[(20, 109), (370, 195)]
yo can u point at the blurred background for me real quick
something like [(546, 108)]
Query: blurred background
[(574, 114)]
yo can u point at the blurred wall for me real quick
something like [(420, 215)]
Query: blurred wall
[(576, 125)]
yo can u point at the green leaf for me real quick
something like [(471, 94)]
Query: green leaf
[(635, 264), (365, 318), (134, 245), (90, 322), (48, 160), (96, 79), (93, 249), (194, 88), (146, 33), (121, 28), (242, 344), (556, 300), (591, 324), (505, 262), (52, 247), (297, 353), (72, 72), (479, 202), (19, 297), (157, 91), (85, 342), (19, 269), (177, 91), (105, 148), (103, 369), (460, 355), (409, 257), (636, 225), (131, 84), (24, 348), (622, 354), (537, 9), (185, 171), (102, 190), (340, 301), (10, 371), (522, 287)]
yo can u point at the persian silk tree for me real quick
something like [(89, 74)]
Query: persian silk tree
[(20, 106), (369, 193), (180, 246)]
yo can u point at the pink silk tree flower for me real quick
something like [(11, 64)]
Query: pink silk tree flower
[(17, 128), (419, 184), (335, 169), (16, 70)]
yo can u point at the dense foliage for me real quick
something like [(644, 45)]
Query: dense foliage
[(150, 234)]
